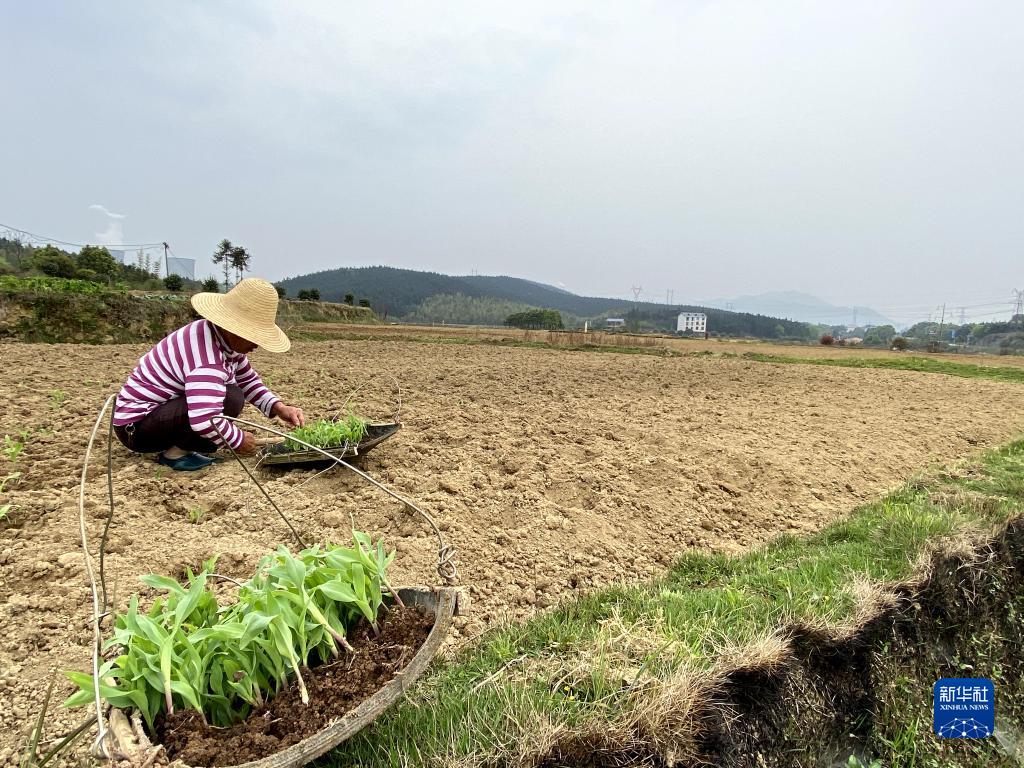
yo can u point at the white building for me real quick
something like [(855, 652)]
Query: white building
[(614, 322), (692, 321)]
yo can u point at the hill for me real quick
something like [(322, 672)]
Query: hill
[(433, 297), (801, 306), (399, 292)]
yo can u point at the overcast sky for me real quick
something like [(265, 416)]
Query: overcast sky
[(870, 153)]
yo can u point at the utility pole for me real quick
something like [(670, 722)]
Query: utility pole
[(167, 267), (637, 290), (942, 320), (963, 316), (1018, 306), (669, 295)]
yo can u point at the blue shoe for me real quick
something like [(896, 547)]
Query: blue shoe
[(190, 462)]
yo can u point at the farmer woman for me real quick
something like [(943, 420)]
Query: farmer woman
[(175, 400)]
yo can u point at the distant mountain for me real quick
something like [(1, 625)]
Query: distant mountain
[(434, 297), (801, 306), (400, 291)]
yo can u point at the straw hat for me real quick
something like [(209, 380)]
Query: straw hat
[(247, 310)]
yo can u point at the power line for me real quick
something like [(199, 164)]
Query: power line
[(21, 234)]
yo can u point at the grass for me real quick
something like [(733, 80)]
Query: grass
[(918, 364), (629, 659)]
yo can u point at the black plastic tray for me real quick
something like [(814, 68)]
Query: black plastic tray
[(375, 435)]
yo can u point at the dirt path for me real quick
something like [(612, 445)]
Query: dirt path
[(549, 471)]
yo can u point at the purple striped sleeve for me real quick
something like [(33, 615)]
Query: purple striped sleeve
[(254, 389), (205, 389)]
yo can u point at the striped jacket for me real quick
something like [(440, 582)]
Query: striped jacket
[(195, 362)]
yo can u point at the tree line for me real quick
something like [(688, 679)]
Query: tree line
[(96, 264), (93, 263)]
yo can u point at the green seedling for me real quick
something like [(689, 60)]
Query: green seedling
[(189, 652), (6, 509), (329, 434), (195, 514), (31, 757), (57, 398), (13, 447), (10, 479)]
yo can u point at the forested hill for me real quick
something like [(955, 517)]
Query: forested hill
[(400, 291), (433, 297)]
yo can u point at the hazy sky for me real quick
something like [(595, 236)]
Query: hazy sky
[(871, 153)]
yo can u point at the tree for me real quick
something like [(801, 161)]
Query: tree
[(174, 283), (53, 262), (780, 331), (281, 292), (880, 335), (899, 344), (546, 319), (222, 256), (240, 259), (350, 299), (98, 259), (88, 274), (210, 285), (309, 294), (827, 339)]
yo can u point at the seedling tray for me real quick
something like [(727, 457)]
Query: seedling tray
[(375, 435)]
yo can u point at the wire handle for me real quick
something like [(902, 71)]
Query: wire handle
[(446, 568), (99, 747), (397, 391)]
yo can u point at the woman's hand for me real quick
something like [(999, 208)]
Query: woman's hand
[(289, 414), (249, 445)]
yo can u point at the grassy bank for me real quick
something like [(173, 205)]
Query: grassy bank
[(92, 314), (919, 364), (100, 317), (637, 669)]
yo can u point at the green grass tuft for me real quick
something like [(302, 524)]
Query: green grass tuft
[(918, 364)]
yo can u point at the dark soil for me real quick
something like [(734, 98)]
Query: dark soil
[(334, 689), (866, 693)]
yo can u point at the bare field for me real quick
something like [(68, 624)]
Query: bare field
[(466, 333), (550, 471)]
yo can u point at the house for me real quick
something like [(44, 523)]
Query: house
[(695, 322), (614, 322)]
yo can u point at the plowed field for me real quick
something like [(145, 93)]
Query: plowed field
[(550, 471)]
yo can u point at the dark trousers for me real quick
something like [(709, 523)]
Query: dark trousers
[(167, 426)]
